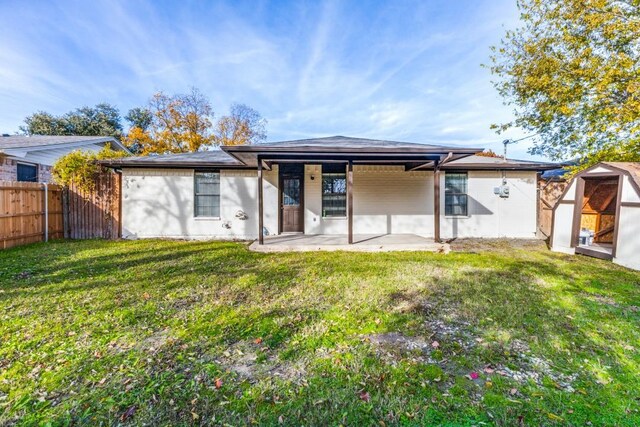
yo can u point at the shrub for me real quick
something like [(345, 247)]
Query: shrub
[(82, 167)]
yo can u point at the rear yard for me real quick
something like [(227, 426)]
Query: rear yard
[(167, 332)]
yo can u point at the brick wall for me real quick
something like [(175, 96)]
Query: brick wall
[(9, 170)]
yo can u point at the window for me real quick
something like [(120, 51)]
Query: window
[(334, 191), (455, 194), (207, 194), (27, 173)]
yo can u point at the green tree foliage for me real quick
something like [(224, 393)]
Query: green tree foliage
[(572, 72), (101, 120), (81, 167), (140, 118)]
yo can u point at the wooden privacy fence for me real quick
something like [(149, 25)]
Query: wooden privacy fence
[(22, 208), (94, 214), (72, 213), (549, 193)]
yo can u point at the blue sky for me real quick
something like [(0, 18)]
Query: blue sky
[(408, 71)]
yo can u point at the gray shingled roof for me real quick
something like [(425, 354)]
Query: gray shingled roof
[(484, 162), (338, 144), (32, 141), (197, 159), (345, 142)]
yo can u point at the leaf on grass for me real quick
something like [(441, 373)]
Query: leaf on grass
[(218, 383), (146, 296), (258, 340), (280, 420), (131, 410), (554, 417), (194, 415), (364, 396)]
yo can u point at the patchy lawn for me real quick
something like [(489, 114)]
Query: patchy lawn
[(160, 332)]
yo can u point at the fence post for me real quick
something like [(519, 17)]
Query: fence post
[(46, 212)]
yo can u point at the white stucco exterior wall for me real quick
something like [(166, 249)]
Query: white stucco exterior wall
[(160, 203), (491, 216)]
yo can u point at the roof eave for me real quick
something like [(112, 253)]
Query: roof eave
[(483, 166)]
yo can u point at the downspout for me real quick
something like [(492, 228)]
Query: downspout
[(46, 212)]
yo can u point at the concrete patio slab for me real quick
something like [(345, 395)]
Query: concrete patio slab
[(361, 243)]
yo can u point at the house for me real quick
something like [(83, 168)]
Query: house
[(30, 157), (599, 214), (335, 186)]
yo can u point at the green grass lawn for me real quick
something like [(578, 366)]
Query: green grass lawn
[(181, 333)]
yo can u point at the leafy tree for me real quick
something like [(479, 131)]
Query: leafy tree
[(140, 118), (488, 153), (43, 123), (100, 120), (184, 123), (81, 167), (103, 119), (572, 72), (243, 126), (179, 123)]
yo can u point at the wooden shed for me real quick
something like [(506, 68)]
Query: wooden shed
[(599, 214)]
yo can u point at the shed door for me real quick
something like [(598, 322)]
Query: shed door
[(291, 198)]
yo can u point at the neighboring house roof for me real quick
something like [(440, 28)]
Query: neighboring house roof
[(24, 143), (180, 160), (492, 163)]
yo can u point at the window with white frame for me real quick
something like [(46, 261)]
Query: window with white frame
[(334, 190), (207, 194), (455, 194)]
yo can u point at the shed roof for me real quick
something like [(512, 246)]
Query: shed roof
[(632, 169)]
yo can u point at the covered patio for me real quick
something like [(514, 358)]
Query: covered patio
[(310, 190), (340, 242)]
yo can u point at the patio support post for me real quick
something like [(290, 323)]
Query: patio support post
[(260, 203), (350, 199), (436, 202)]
